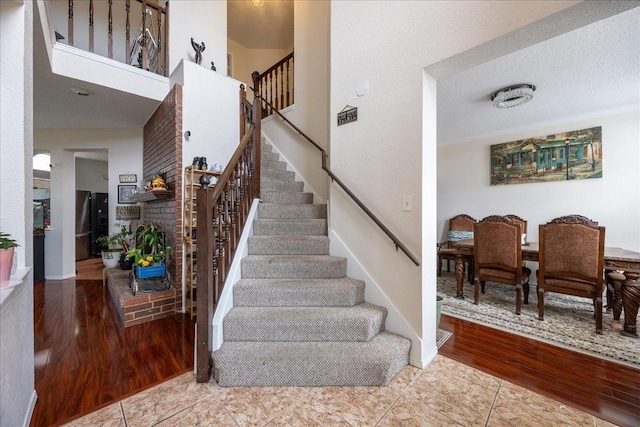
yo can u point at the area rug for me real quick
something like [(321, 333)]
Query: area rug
[(568, 321)]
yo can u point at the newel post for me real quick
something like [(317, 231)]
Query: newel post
[(205, 273), (257, 138)]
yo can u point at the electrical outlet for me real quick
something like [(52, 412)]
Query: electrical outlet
[(407, 203)]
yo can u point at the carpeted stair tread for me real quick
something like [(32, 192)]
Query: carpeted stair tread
[(310, 227), (293, 266), (269, 156), (271, 184), (286, 197), (275, 210), (273, 165), (358, 323), (341, 292), (308, 364), (288, 245), (278, 175)]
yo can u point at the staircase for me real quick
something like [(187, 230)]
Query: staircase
[(297, 319)]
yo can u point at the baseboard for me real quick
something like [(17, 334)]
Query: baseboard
[(30, 408)]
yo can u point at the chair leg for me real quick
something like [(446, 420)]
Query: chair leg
[(540, 303), (525, 287), (598, 306), (476, 290), (448, 267), (439, 266), (518, 298)]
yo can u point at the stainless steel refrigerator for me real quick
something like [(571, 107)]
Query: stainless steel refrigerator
[(83, 225)]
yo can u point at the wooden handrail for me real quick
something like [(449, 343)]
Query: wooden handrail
[(221, 213), (398, 244)]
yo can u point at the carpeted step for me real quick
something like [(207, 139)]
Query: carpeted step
[(273, 165), (343, 292), (308, 364), (276, 210), (310, 227), (269, 156), (278, 175), (358, 323), (293, 267), (286, 197), (270, 184), (288, 245)]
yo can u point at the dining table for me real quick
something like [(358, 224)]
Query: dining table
[(626, 293)]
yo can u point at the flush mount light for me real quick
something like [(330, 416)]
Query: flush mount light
[(258, 3), (81, 92), (513, 96)]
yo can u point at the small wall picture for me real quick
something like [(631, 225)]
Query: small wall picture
[(124, 194), (558, 157)]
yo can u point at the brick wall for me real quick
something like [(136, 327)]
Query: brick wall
[(162, 152)]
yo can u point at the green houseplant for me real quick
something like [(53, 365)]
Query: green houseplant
[(150, 250), (113, 246), (7, 248)]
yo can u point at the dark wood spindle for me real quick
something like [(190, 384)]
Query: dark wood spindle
[(110, 25), (143, 38), (288, 100), (127, 29), (90, 25), (160, 57), (70, 23), (277, 104)]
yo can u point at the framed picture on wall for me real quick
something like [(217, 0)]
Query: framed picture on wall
[(124, 194)]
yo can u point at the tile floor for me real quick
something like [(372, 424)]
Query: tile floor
[(446, 393)]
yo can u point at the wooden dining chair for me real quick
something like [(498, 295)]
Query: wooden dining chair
[(521, 221), (572, 261), (460, 227), (498, 257)]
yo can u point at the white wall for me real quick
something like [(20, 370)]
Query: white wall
[(17, 393), (387, 44), (125, 156), (613, 200), (205, 21), (245, 61), (90, 175)]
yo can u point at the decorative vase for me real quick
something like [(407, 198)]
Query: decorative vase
[(110, 258), (6, 260), (439, 302)]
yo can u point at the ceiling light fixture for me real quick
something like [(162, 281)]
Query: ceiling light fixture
[(258, 3), (81, 92), (513, 96)]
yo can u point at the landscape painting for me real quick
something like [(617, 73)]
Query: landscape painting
[(562, 156)]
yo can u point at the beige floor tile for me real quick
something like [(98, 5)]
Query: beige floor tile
[(411, 412), (207, 412), (333, 398), (517, 406), (309, 414), (366, 405), (109, 416), (251, 406)]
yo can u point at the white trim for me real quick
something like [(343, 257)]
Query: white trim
[(226, 298), (30, 408), (283, 111)]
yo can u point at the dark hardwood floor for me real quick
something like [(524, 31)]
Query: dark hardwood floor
[(84, 358), (608, 390)]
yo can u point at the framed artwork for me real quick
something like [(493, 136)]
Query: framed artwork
[(558, 157), (124, 194)]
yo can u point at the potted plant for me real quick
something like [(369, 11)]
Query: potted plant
[(7, 248), (114, 245), (150, 252)]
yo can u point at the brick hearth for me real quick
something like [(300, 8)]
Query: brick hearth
[(144, 307)]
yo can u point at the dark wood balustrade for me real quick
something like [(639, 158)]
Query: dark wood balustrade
[(148, 46), (221, 214), (275, 85)]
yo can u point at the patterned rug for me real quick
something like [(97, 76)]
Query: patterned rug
[(568, 321)]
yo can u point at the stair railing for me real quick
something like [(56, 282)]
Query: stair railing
[(221, 214), (150, 42), (275, 85), (398, 244)]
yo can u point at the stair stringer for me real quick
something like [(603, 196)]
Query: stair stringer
[(374, 294), (226, 298)]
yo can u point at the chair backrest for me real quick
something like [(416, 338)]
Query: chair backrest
[(497, 244), (572, 248), (521, 221), (460, 227)]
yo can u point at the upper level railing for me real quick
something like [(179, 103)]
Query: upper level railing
[(221, 214), (335, 179), (275, 85), (145, 47)]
